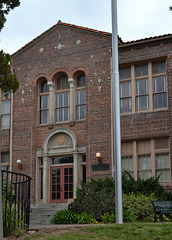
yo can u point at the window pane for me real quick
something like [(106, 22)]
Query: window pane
[(142, 103), (81, 81), (159, 84), (5, 157), (44, 87), (81, 96), (5, 121), (141, 86), (5, 107), (125, 73), (144, 162), (127, 164), (62, 83), (125, 89), (125, 105), (62, 99), (81, 112), (44, 116), (160, 100), (158, 68), (162, 161), (165, 175), (44, 102), (141, 70)]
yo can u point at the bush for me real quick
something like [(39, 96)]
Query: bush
[(68, 216), (95, 198), (139, 205), (65, 216), (148, 186)]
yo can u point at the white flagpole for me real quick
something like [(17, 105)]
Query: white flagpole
[(116, 116)]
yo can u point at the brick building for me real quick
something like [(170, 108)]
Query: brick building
[(61, 116)]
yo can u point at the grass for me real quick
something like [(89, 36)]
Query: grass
[(126, 231)]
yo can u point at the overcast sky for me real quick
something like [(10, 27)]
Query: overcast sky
[(137, 19)]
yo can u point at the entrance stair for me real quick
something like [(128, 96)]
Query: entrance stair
[(41, 214)]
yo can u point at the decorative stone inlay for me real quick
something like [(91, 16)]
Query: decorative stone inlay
[(78, 41), (61, 139), (41, 49), (59, 46)]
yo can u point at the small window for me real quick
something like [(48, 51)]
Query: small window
[(81, 97), (125, 97), (62, 99), (44, 103), (5, 159), (160, 94), (142, 97), (141, 70)]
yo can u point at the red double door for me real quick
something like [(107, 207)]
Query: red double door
[(61, 184)]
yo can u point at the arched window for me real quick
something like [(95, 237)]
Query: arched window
[(44, 102), (62, 111), (81, 97)]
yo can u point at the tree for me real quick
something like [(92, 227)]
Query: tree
[(170, 8), (8, 80)]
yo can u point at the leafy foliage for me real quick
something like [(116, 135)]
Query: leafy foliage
[(68, 216), (8, 80), (139, 205), (148, 186), (95, 198), (5, 7)]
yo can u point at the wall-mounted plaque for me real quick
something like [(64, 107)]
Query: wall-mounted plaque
[(100, 167)]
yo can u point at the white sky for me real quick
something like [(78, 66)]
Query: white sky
[(137, 19)]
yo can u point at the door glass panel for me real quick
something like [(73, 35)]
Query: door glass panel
[(66, 187), (70, 179), (66, 195), (58, 195), (66, 171), (70, 171), (70, 187), (70, 194), (53, 196), (58, 179), (66, 179)]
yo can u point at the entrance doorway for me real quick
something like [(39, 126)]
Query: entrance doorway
[(61, 184)]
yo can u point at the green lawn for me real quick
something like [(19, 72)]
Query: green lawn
[(126, 231)]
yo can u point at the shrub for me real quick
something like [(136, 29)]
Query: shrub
[(68, 216), (65, 216), (148, 186), (95, 198), (139, 205)]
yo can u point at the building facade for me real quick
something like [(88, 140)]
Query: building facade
[(61, 116)]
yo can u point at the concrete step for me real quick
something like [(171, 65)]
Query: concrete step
[(41, 214)]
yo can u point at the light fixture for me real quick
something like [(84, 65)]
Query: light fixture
[(99, 158), (20, 164)]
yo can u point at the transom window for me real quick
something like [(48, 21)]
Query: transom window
[(81, 97), (44, 102), (143, 87), (62, 99)]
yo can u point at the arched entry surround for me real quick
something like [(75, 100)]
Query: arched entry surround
[(59, 142)]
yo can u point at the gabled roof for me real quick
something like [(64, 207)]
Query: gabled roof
[(60, 23), (121, 43)]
